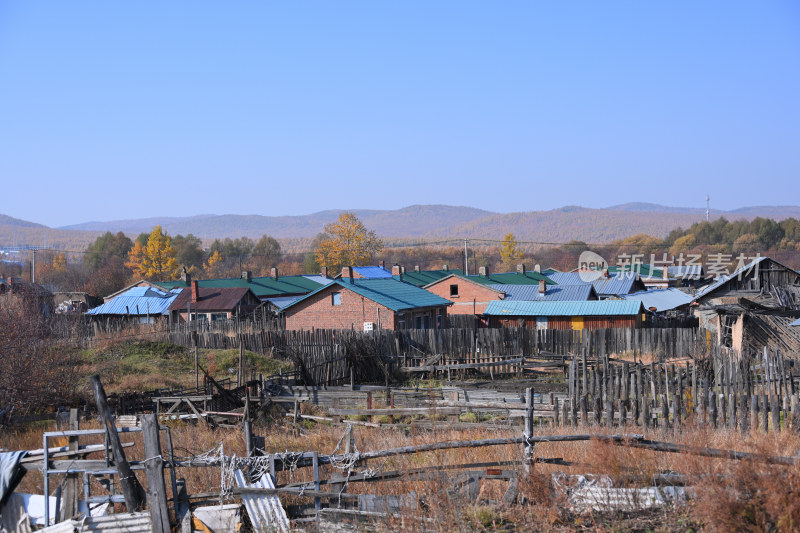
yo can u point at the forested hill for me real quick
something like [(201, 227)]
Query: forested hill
[(413, 222), (440, 221)]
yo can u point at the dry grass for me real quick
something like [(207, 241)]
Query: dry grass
[(730, 495)]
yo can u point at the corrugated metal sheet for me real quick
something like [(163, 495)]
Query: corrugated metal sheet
[(511, 278), (261, 286), (282, 301), (661, 299), (122, 523), (426, 277), (685, 271), (115, 523), (322, 280), (389, 292), (372, 272), (642, 269), (555, 293), (615, 284), (265, 511), (724, 279), (795, 323), (212, 298), (588, 308), (147, 299)]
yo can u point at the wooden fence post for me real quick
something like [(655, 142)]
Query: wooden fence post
[(131, 489), (528, 430), (154, 468)]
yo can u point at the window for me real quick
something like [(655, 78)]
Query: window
[(419, 322), (454, 290), (426, 322), (219, 316), (438, 321), (336, 298)]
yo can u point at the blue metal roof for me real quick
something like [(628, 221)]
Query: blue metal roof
[(282, 301), (392, 293), (372, 272), (614, 284), (661, 299), (554, 293), (685, 271), (322, 280), (588, 308), (138, 301)]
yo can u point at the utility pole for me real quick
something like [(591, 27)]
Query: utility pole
[(33, 267), (707, 208), (466, 259)]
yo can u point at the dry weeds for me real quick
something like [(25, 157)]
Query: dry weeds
[(729, 495)]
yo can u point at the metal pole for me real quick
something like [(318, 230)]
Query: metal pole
[(466, 259)]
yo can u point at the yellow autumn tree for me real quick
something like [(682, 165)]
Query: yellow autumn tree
[(154, 260), (60, 262), (347, 242), (214, 265), (509, 254)]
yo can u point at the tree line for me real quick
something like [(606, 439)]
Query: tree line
[(114, 260)]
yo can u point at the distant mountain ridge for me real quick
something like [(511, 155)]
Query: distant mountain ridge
[(416, 222)]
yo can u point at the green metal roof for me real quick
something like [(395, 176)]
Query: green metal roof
[(424, 277), (261, 286), (643, 269), (389, 292), (512, 278), (588, 308)]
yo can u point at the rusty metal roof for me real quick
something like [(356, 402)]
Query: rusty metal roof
[(212, 298)]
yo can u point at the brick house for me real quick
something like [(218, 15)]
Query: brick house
[(468, 296), (212, 303), (471, 294), (353, 303)]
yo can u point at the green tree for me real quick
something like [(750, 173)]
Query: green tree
[(106, 246), (267, 252), (347, 242), (188, 251)]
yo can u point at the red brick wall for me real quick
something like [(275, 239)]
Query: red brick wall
[(318, 312), (467, 291)]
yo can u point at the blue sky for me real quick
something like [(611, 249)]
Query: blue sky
[(113, 110)]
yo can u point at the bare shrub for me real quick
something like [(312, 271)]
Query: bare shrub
[(36, 371)]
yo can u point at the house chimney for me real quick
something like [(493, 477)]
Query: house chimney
[(521, 269), (347, 272), (273, 272), (542, 286), (195, 292), (665, 272), (186, 277), (324, 272), (537, 268), (247, 275), (416, 268), (484, 271), (382, 264), (444, 267), (402, 270), (396, 270), (604, 273)]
